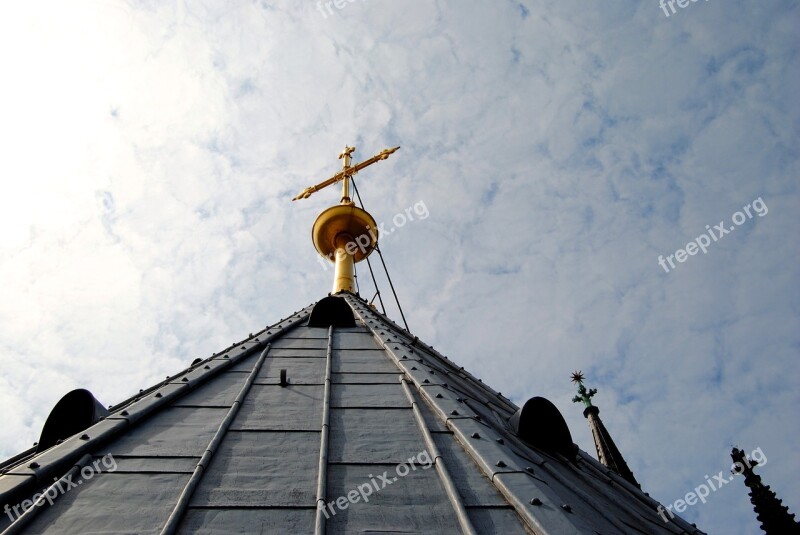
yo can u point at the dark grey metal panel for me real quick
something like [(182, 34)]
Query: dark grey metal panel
[(359, 328), (299, 370), (305, 331), (300, 343), (366, 378), (276, 352), (415, 503), (257, 469), (273, 408), (219, 392), (354, 341), (175, 431), (368, 361), (373, 436), (247, 521), (383, 395), (497, 520), (137, 465), (112, 503)]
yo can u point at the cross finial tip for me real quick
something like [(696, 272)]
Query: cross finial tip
[(348, 151)]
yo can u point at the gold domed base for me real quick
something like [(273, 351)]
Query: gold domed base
[(342, 225)]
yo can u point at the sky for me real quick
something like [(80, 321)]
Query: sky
[(551, 153)]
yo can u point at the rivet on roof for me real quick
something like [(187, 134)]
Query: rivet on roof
[(185, 379), (567, 507), (439, 395), (124, 413), (158, 394), (501, 464), (536, 501), (501, 441), (33, 465), (476, 435), (529, 469), (206, 367), (413, 367), (426, 381), (84, 437), (454, 413)]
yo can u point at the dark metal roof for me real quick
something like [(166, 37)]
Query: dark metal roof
[(225, 447)]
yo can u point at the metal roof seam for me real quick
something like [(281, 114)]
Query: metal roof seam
[(322, 468)]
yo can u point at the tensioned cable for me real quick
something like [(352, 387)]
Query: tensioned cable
[(355, 278), (375, 283), (385, 269), (369, 264)]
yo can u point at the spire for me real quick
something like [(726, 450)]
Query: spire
[(344, 233), (607, 452), (774, 516)]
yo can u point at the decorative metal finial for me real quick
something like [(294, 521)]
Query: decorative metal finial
[(345, 234), (585, 395), (345, 174)]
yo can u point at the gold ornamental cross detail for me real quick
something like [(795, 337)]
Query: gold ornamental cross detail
[(347, 171)]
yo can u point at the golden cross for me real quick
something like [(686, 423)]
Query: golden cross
[(346, 172)]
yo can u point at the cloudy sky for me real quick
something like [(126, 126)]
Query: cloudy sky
[(150, 151)]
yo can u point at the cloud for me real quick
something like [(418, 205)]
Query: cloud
[(152, 151)]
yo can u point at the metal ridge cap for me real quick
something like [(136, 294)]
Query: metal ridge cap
[(16, 459)]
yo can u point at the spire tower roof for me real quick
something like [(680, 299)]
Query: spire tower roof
[(775, 517), (332, 420), (607, 451)]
